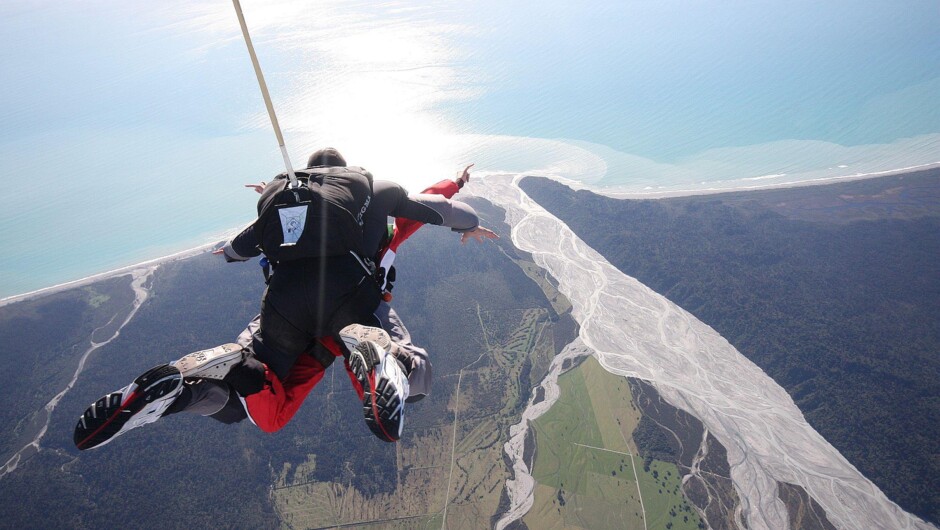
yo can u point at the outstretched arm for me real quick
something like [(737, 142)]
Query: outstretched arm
[(242, 247), (464, 177), (390, 199), (246, 241), (404, 228)]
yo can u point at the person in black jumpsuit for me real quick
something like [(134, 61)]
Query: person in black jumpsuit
[(306, 300), (316, 297)]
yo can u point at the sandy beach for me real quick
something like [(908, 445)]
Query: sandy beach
[(768, 182)]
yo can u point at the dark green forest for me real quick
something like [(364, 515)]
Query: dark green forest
[(184, 470), (833, 290), (41, 340)]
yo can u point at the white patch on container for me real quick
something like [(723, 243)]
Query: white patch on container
[(292, 223)]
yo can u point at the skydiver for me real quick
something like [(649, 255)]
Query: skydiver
[(266, 367), (276, 404)]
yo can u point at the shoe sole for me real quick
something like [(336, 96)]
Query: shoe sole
[(107, 417), (354, 334), (214, 363), (381, 405)]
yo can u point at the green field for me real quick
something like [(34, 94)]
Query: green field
[(587, 470)]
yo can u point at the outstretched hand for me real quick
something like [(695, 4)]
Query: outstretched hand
[(220, 250), (257, 187), (479, 233), (464, 176)]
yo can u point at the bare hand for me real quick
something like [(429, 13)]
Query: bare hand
[(257, 187), (465, 176), (219, 251), (479, 233)]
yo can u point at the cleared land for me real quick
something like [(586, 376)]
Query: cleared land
[(453, 470), (586, 466)]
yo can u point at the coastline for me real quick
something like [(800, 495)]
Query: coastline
[(129, 269), (573, 184), (740, 184)]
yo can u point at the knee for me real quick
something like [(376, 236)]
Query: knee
[(269, 428), (270, 425), (248, 377), (232, 411)]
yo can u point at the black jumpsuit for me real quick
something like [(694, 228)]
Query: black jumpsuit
[(312, 298)]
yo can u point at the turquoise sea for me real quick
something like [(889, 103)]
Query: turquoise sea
[(127, 129)]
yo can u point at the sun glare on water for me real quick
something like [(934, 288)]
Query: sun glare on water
[(366, 83)]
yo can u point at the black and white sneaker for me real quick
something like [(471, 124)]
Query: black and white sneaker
[(137, 404), (213, 363), (385, 389)]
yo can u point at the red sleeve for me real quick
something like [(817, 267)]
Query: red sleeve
[(447, 188)]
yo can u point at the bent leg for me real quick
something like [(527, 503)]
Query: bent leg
[(277, 342), (270, 409), (273, 407), (419, 378), (274, 345), (210, 398)]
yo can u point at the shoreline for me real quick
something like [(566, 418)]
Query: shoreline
[(740, 186), (129, 269), (573, 184)]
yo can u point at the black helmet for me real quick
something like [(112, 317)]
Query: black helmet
[(327, 156)]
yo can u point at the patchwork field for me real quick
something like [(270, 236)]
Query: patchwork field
[(587, 466)]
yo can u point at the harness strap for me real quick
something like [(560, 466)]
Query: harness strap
[(367, 264)]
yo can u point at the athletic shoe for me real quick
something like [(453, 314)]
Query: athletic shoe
[(213, 363), (385, 389), (135, 405), (353, 334)]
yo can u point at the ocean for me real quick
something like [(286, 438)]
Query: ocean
[(127, 131)]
